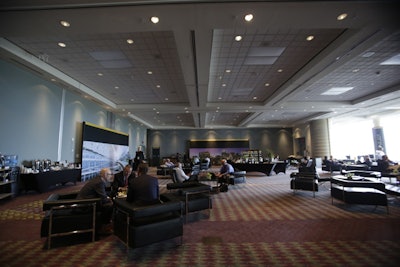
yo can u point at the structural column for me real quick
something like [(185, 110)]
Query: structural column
[(379, 138), (320, 140)]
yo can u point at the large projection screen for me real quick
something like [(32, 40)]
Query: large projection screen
[(101, 148)]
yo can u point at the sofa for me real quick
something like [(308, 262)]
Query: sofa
[(141, 225), (65, 215), (358, 190)]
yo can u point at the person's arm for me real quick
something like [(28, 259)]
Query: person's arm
[(101, 192)]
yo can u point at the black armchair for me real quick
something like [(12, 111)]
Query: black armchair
[(305, 179), (66, 215), (139, 226)]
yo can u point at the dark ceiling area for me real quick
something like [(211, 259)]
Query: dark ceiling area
[(203, 65)]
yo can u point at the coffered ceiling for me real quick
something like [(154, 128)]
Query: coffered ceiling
[(189, 71)]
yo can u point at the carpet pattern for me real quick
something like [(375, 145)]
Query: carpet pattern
[(260, 223)]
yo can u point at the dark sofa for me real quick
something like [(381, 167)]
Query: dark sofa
[(139, 226), (361, 191)]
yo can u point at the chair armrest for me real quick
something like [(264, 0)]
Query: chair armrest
[(48, 204), (149, 210)]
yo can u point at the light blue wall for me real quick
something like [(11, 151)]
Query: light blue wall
[(35, 113)]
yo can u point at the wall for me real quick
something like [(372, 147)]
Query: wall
[(40, 120), (275, 140)]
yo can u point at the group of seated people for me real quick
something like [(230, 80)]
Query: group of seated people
[(142, 189), (382, 164)]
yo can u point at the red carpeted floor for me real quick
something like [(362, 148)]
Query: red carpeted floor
[(260, 223)]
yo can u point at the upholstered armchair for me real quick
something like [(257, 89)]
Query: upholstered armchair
[(305, 179), (139, 226), (66, 215), (238, 177)]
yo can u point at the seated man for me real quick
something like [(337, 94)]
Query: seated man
[(225, 171), (181, 176), (96, 188), (121, 180), (144, 189)]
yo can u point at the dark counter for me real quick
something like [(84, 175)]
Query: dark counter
[(43, 181), (266, 168)]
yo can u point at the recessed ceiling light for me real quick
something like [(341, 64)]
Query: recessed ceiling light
[(62, 44), (395, 60), (149, 72), (342, 16), (224, 84), (310, 38), (65, 23), (158, 86), (227, 71), (248, 17), (337, 90), (132, 99), (129, 41), (238, 38), (280, 70), (368, 54), (266, 84), (219, 98), (155, 20), (166, 99), (254, 97), (99, 74), (116, 87)]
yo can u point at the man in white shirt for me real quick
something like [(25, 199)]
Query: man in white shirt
[(181, 175)]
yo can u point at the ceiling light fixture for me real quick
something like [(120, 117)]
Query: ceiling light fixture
[(238, 38), (155, 20), (342, 16), (99, 74), (337, 90), (62, 44), (248, 17), (65, 23), (310, 38), (129, 41), (149, 72)]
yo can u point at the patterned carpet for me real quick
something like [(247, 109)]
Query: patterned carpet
[(260, 223)]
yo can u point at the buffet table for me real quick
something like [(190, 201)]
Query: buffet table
[(43, 181), (266, 168)]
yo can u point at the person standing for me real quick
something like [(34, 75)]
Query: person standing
[(96, 188), (144, 188)]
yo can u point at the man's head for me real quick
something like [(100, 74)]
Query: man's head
[(223, 161), (143, 168), (127, 170), (106, 175)]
